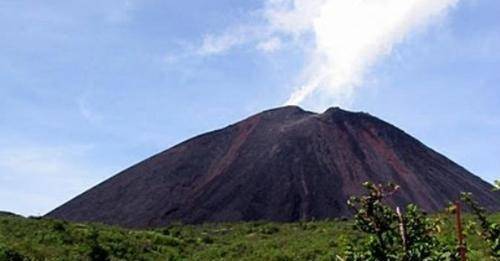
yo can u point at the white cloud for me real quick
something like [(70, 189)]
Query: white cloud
[(270, 45), (343, 39), (350, 36), (219, 43), (213, 45), (292, 16)]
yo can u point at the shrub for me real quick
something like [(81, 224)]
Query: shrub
[(393, 235), (9, 254), (269, 229), (490, 231), (97, 252)]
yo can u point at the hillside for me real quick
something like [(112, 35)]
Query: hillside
[(284, 164)]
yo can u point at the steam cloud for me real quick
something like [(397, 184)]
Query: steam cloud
[(342, 39), (348, 36)]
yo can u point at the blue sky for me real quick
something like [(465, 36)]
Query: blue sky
[(88, 88)]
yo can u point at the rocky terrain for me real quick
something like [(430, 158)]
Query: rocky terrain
[(284, 164)]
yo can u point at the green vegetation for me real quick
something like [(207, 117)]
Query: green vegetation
[(393, 235), (377, 232), (489, 231), (46, 239), (497, 185)]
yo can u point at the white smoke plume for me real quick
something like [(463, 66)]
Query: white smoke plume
[(349, 36), (342, 39)]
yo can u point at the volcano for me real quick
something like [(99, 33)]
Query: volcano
[(284, 164)]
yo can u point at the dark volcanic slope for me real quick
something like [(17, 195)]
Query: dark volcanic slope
[(284, 164)]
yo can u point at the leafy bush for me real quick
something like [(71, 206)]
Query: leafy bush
[(97, 252), (391, 234), (8, 254), (490, 231)]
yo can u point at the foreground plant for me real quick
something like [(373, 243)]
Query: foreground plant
[(490, 231), (10, 254), (392, 234)]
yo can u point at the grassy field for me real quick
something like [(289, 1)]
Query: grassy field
[(45, 239)]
